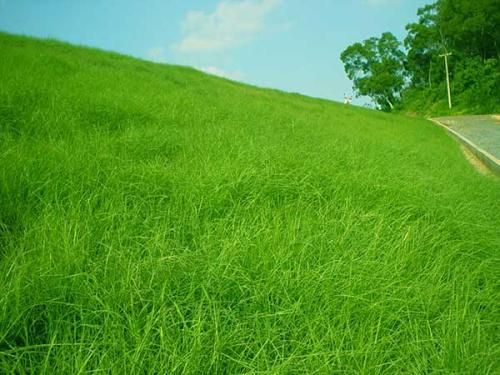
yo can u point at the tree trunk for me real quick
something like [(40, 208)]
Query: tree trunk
[(390, 104), (430, 71)]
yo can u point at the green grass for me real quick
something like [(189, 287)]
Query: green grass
[(154, 219)]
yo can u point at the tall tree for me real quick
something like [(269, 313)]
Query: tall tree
[(423, 44), (471, 27), (469, 30), (376, 67)]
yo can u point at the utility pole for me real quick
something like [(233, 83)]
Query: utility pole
[(445, 55)]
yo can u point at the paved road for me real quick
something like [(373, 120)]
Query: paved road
[(484, 131)]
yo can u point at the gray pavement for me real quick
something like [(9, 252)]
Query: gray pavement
[(483, 131)]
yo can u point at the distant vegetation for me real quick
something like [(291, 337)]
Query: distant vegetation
[(410, 75), (158, 220)]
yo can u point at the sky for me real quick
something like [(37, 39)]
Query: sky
[(291, 45)]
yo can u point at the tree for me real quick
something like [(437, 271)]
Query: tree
[(469, 30), (424, 44), (376, 67), (471, 27)]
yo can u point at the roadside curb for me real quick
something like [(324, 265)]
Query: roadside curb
[(489, 160)]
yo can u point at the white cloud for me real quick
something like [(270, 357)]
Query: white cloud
[(230, 25), (236, 76), (156, 54)]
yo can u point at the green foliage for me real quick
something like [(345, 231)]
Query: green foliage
[(475, 90), (423, 45), (376, 69), (157, 220), (479, 84), (467, 29), (470, 28)]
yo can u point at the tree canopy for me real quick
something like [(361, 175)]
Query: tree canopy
[(414, 78), (376, 68)]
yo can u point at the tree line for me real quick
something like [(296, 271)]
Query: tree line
[(410, 74)]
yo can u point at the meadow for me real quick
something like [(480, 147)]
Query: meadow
[(155, 219)]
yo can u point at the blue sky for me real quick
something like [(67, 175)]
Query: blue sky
[(293, 45)]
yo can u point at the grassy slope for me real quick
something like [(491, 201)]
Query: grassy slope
[(156, 219)]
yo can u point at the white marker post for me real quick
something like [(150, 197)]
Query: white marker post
[(447, 76)]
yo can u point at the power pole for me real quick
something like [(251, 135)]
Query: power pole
[(445, 55)]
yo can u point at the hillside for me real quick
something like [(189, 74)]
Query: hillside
[(155, 219)]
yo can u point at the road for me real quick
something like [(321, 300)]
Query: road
[(481, 132)]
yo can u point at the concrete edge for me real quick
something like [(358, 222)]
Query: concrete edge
[(489, 160)]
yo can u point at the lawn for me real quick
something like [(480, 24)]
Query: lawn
[(155, 219)]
